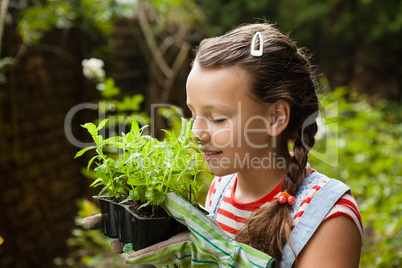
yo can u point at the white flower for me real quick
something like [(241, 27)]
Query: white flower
[(101, 86), (93, 69)]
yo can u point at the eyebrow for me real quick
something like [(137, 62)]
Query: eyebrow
[(210, 106)]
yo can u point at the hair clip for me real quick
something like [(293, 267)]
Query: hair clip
[(285, 197), (253, 51)]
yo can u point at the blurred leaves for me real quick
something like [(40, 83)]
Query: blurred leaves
[(4, 63), (371, 20), (88, 15), (89, 248), (340, 32), (370, 162), (37, 20)]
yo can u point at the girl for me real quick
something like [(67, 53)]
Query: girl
[(251, 92)]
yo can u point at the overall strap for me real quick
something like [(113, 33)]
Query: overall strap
[(312, 217), (219, 193)]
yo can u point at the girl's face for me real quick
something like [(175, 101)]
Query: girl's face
[(231, 125)]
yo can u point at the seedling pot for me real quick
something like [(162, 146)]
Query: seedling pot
[(131, 228), (147, 168), (110, 214), (144, 232)]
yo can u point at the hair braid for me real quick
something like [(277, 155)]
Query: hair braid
[(273, 237)]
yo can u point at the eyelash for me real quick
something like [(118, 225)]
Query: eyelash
[(218, 120)]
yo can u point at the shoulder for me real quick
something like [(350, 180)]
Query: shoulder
[(348, 207), (311, 185), (333, 238), (312, 182)]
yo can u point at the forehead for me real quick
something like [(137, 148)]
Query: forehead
[(216, 86)]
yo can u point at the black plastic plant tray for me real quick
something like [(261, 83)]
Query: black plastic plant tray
[(144, 232), (110, 214), (119, 221)]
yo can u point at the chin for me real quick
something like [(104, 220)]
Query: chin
[(220, 172)]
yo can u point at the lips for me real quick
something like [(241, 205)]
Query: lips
[(211, 155)]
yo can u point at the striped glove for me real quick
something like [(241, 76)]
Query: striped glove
[(204, 245)]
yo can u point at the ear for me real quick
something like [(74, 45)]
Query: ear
[(278, 116)]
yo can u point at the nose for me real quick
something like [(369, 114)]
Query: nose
[(202, 129)]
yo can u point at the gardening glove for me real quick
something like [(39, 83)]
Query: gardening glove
[(205, 244), (95, 223), (92, 222)]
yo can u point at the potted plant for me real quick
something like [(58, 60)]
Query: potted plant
[(136, 171)]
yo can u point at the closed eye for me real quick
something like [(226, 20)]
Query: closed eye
[(218, 120)]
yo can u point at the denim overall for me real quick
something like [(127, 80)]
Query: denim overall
[(312, 217)]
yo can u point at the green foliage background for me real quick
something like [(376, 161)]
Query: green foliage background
[(337, 31), (368, 159), (362, 146), (89, 248)]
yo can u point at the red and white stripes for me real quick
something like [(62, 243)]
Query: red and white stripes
[(233, 215)]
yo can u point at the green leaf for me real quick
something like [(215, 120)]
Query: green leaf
[(91, 128), (82, 151), (102, 124), (97, 182), (101, 171), (149, 193), (138, 194), (135, 127), (113, 140), (192, 171), (104, 189), (159, 197), (98, 139), (109, 89), (135, 182), (169, 134), (144, 205), (90, 161)]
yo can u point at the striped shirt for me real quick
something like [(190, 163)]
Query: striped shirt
[(233, 215)]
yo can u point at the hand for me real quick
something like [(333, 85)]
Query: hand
[(92, 222), (95, 223), (204, 244)]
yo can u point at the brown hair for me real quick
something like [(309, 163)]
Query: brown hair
[(283, 72)]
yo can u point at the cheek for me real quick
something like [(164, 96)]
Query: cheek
[(250, 135), (223, 137), (255, 138), (229, 136), (255, 133)]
